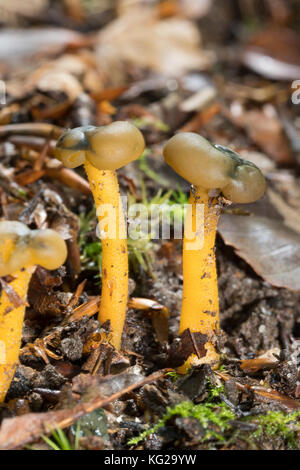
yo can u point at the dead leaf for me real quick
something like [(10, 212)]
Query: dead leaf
[(159, 315), (290, 215), (274, 53), (271, 248), (87, 309), (169, 46), (19, 44), (264, 128), (188, 343), (268, 360)]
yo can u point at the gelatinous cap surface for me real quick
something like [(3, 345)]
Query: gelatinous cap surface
[(48, 248), (106, 148), (21, 247), (214, 167), (70, 148)]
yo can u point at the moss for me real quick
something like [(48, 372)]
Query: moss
[(170, 204), (279, 424), (208, 414), (214, 417), (173, 374), (145, 121)]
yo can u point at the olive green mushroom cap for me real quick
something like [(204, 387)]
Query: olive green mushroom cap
[(21, 247), (106, 148), (214, 167)]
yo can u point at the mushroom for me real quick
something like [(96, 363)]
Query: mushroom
[(21, 249), (103, 150), (208, 168)]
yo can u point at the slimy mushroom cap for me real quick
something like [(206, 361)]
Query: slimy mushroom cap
[(21, 247), (107, 148), (115, 145), (247, 183), (48, 249), (214, 167), (196, 160), (13, 240), (70, 148)]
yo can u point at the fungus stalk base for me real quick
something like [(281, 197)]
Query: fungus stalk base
[(200, 303), (11, 323), (114, 295)]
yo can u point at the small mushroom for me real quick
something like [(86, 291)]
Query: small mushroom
[(207, 167), (103, 150), (21, 249)]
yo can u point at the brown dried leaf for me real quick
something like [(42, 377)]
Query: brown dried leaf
[(19, 44), (264, 129), (271, 248), (159, 315), (170, 46), (269, 395), (43, 298), (87, 309), (188, 343), (267, 360), (274, 53), (29, 177)]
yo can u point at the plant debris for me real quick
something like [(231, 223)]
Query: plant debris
[(230, 72)]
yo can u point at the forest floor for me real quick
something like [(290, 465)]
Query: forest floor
[(166, 68)]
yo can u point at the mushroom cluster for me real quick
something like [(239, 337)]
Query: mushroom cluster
[(21, 249), (213, 170), (103, 150), (207, 167)]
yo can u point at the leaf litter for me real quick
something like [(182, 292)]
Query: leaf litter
[(189, 79)]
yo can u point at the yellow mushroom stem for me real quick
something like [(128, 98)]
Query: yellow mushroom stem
[(11, 323), (113, 305), (200, 303)]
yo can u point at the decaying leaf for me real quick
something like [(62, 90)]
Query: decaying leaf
[(271, 248), (188, 343), (265, 129), (19, 44), (86, 309), (11, 12), (267, 360), (169, 46), (159, 315), (274, 53)]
